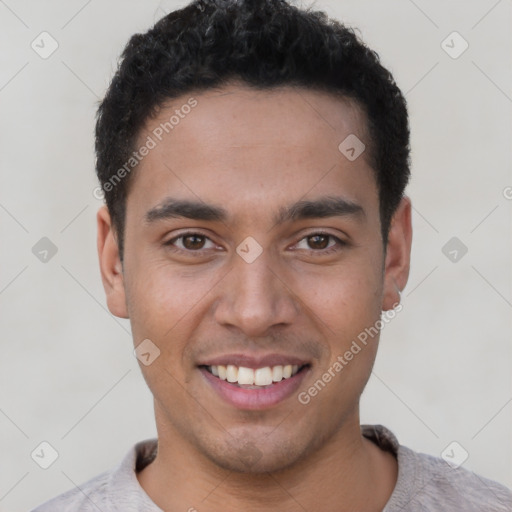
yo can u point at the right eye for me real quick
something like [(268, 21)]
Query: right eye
[(189, 242)]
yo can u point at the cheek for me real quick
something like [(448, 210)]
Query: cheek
[(165, 307), (346, 298), (163, 301)]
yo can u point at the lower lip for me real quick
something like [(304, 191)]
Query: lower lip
[(255, 399)]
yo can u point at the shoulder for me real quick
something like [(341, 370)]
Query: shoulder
[(89, 496), (429, 483), (116, 489)]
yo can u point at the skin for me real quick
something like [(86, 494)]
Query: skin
[(254, 152)]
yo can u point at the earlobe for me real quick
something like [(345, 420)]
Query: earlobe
[(110, 264), (398, 255)]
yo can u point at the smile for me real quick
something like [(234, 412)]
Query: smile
[(254, 378), (254, 388)]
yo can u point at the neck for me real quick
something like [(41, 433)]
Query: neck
[(348, 472)]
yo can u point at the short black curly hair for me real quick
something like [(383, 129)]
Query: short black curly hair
[(263, 44)]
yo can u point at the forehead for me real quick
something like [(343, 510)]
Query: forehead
[(238, 144), (243, 114)]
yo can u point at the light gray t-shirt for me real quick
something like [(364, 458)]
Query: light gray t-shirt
[(425, 484)]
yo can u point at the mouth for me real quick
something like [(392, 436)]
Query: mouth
[(254, 378), (254, 388)]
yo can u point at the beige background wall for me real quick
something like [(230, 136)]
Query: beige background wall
[(67, 373)]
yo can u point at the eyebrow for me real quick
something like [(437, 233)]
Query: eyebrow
[(328, 206)]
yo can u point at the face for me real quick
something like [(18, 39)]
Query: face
[(253, 242)]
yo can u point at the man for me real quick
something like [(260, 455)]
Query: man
[(254, 158)]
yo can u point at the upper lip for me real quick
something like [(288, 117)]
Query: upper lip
[(253, 361)]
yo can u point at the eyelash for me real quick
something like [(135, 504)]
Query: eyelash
[(338, 245)]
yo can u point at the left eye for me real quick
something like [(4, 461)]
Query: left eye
[(318, 241)]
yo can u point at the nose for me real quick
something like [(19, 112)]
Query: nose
[(255, 297)]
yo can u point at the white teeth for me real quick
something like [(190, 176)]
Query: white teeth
[(221, 371), (231, 373), (277, 373), (245, 375), (263, 376), (253, 377)]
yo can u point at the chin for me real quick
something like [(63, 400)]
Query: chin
[(249, 460), (243, 455)]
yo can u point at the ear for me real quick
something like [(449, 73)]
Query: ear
[(110, 264), (398, 255)]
